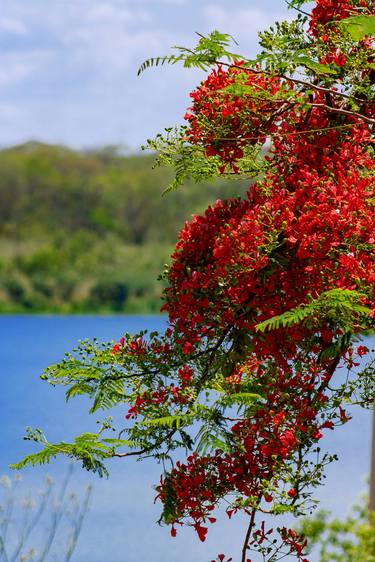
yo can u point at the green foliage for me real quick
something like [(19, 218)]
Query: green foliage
[(359, 27), (90, 372), (341, 307), (284, 46), (240, 398), (190, 162), (88, 448), (176, 421), (90, 231), (187, 160), (287, 49), (342, 540), (94, 371), (208, 50), (361, 390)]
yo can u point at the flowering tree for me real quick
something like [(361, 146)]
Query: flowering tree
[(266, 295)]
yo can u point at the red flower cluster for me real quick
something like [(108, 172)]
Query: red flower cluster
[(137, 346), (308, 226), (233, 109), (221, 558), (327, 11), (286, 419), (163, 395), (323, 26), (296, 543)]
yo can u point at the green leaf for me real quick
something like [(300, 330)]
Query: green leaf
[(359, 27), (209, 442), (340, 306), (158, 61), (241, 398), (118, 442), (279, 509), (176, 421), (87, 448), (207, 51), (315, 66), (78, 389)]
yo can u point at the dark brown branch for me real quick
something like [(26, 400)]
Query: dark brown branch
[(277, 134), (247, 536), (213, 350), (294, 81), (344, 112), (146, 449)]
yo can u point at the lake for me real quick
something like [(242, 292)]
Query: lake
[(120, 526)]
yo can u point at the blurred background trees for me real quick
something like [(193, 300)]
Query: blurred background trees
[(349, 539), (89, 231)]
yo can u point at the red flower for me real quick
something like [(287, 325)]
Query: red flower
[(201, 531), (187, 348)]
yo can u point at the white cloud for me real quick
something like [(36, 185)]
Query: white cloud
[(101, 35), (14, 26), (75, 73), (175, 2), (9, 112), (112, 15), (16, 67), (166, 2), (243, 24)]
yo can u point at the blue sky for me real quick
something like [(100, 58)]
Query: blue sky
[(68, 67)]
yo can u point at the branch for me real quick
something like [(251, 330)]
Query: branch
[(344, 112), (57, 515), (3, 550), (298, 9), (277, 134), (293, 80), (213, 350), (248, 533), (34, 521), (146, 449)]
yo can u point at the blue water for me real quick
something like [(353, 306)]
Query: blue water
[(120, 526)]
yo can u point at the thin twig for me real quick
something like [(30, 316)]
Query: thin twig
[(146, 449), (298, 9)]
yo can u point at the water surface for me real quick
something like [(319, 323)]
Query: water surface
[(121, 524)]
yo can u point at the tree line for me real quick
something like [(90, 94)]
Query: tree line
[(89, 231)]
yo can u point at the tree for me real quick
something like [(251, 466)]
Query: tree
[(350, 540), (267, 295)]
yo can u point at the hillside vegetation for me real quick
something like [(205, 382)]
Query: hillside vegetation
[(89, 231)]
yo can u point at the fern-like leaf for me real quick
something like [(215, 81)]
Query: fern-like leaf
[(341, 307)]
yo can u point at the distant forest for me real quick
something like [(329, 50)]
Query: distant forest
[(89, 231)]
